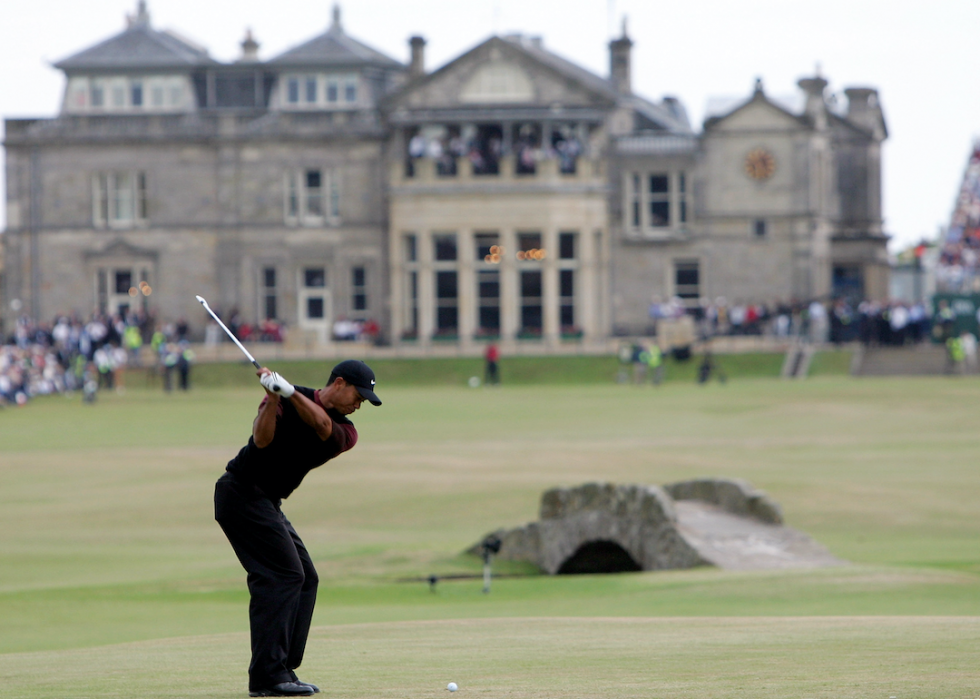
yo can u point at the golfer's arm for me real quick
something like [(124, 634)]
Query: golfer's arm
[(313, 415), (264, 426)]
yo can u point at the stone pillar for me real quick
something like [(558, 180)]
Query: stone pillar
[(466, 287), (586, 286), (426, 298), (509, 292), (549, 289), (396, 254)]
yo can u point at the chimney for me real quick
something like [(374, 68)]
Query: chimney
[(417, 66), (141, 18), (816, 106), (863, 108), (336, 26), (250, 49), (619, 62)]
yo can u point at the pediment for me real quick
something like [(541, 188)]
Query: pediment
[(120, 248), (504, 72), (499, 80), (757, 114)]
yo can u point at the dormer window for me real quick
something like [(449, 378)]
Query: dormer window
[(98, 94), (323, 91), (137, 93)]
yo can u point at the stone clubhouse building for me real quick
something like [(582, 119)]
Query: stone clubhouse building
[(509, 194)]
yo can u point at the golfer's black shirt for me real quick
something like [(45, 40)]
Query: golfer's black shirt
[(295, 450)]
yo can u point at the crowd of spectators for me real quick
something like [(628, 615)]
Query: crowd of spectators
[(483, 146), (71, 354), (959, 255), (840, 321)]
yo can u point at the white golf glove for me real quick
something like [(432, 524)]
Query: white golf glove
[(275, 383)]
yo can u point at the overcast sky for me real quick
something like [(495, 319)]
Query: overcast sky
[(922, 57)]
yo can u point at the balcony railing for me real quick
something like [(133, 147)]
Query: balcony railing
[(445, 169)]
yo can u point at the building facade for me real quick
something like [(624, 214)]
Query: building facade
[(509, 194)]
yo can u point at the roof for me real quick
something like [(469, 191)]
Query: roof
[(758, 95), (334, 48), (669, 115), (577, 73), (138, 47)]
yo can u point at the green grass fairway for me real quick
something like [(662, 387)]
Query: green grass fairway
[(115, 580), (615, 658)]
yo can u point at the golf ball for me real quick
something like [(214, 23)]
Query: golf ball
[(452, 687)]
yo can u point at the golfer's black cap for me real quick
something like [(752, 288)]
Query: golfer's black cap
[(359, 375)]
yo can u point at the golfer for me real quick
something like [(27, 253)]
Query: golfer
[(296, 430)]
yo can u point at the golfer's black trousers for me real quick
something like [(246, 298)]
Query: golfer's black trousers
[(281, 579)]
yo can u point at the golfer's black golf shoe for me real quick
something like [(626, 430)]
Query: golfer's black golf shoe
[(284, 689)]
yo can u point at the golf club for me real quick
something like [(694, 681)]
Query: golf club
[(203, 302)]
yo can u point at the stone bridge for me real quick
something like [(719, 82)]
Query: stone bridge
[(607, 528)]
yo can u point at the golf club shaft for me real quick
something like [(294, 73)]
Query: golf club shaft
[(230, 334)]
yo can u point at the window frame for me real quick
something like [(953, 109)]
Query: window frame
[(114, 188), (299, 197)]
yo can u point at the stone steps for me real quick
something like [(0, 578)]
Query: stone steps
[(917, 360)]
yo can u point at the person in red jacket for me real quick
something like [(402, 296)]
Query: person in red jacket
[(491, 374)]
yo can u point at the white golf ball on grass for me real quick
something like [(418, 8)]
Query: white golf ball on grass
[(452, 687)]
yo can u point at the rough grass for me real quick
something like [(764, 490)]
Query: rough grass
[(107, 538)]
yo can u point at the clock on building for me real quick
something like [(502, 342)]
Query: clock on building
[(760, 164)]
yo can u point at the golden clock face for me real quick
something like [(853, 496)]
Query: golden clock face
[(760, 164)]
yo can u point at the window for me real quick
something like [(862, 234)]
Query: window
[(358, 289), (98, 94), (531, 310), (118, 96), (156, 96), (124, 281), (488, 253), (313, 192), (487, 248), (529, 247), (412, 317), (659, 193), (635, 205), (311, 89), (332, 91), (314, 284), (411, 248), (119, 199), (488, 294), (566, 298), (136, 91), (759, 227), (447, 299), (687, 280), (682, 197), (566, 246), (292, 90), (444, 247), (269, 293), (314, 277), (350, 91), (312, 197)]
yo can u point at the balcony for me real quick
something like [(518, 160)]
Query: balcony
[(427, 172)]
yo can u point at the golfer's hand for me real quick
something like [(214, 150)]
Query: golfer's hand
[(274, 383)]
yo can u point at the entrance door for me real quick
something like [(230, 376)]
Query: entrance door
[(315, 303)]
